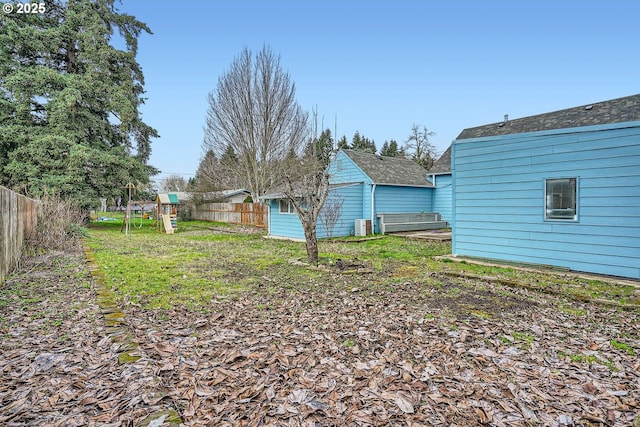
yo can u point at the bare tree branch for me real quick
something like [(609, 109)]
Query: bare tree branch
[(253, 110), (422, 151)]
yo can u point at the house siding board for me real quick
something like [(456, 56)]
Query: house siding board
[(284, 224), (289, 226), (601, 265), (395, 199), (367, 212), (349, 173), (356, 187), (472, 224), (442, 197), (351, 210), (499, 198)]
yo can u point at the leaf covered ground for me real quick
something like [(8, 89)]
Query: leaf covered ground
[(391, 347)]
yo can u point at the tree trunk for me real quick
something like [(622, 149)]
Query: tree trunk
[(311, 241)]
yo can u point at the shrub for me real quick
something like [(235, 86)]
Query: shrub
[(60, 223)]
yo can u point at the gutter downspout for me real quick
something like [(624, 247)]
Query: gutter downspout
[(373, 195), (433, 193)]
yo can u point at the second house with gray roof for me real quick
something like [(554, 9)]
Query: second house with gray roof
[(364, 186)]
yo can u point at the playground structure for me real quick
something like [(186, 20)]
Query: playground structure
[(130, 212), (167, 212)]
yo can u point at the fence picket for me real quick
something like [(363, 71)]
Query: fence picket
[(235, 213), (18, 217)]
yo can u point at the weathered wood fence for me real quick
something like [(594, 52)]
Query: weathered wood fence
[(255, 214), (18, 217)]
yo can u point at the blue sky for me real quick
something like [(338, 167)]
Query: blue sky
[(378, 67)]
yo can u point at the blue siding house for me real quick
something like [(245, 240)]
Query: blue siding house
[(366, 184), (442, 180), (561, 189)]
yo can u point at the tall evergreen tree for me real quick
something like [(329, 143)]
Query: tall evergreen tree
[(229, 157), (69, 102), (391, 149), (362, 143), (343, 144), (205, 180), (321, 148)]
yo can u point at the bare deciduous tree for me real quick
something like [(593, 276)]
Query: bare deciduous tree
[(330, 213), (174, 182), (306, 187), (419, 146), (253, 111)]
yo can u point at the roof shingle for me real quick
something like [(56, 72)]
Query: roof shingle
[(443, 164), (390, 170), (618, 110)]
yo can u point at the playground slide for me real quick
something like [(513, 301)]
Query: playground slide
[(166, 220)]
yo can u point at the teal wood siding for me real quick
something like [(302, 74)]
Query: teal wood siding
[(499, 198), (442, 196), (343, 170), (398, 199), (289, 225), (351, 210), (389, 198), (284, 224)]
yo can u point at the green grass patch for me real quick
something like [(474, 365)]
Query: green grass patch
[(623, 346), (350, 342), (191, 267), (204, 261), (590, 359)]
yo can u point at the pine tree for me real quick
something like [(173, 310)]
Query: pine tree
[(391, 149), (69, 102), (362, 143), (321, 148), (343, 144)]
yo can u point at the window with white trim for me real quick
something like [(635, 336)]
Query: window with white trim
[(560, 199), (286, 207)]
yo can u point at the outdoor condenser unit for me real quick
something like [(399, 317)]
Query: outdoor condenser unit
[(363, 227)]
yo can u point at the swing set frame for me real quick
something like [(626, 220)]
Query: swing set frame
[(126, 224)]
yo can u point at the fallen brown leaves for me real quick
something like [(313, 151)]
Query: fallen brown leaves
[(407, 355), (338, 350), (58, 367)]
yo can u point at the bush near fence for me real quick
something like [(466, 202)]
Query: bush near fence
[(255, 214), (18, 220)]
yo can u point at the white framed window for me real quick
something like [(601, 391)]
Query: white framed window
[(561, 195), (286, 207)]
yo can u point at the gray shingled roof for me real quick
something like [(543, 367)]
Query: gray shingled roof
[(443, 164), (390, 170), (619, 110)]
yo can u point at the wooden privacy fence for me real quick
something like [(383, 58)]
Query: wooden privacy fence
[(255, 214), (18, 218)]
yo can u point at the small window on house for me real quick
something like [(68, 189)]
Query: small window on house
[(560, 199), (286, 207), (339, 164)]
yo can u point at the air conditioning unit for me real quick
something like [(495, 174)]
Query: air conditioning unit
[(363, 227)]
